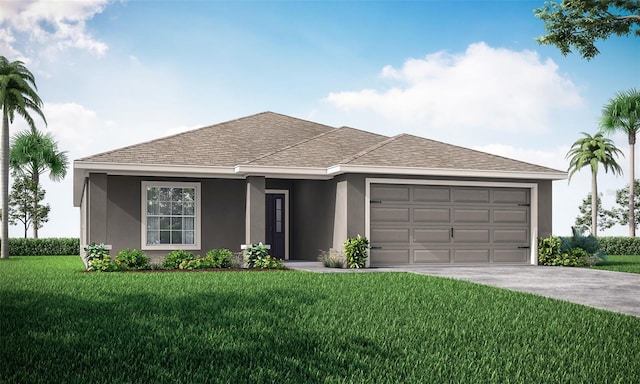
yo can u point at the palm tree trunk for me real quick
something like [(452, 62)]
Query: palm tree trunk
[(632, 173), (4, 182), (594, 204), (36, 219)]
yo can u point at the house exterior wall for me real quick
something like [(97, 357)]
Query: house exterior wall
[(115, 210), (323, 213)]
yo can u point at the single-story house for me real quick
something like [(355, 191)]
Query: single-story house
[(302, 187)]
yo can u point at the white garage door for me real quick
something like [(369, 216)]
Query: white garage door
[(422, 224)]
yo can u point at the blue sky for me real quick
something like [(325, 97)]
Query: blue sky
[(114, 73)]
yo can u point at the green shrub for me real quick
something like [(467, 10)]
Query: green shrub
[(548, 249), (98, 258), (132, 259), (174, 258), (222, 258), (621, 245), (257, 256), (44, 247), (357, 251)]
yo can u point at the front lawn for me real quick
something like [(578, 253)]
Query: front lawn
[(59, 324), (626, 263)]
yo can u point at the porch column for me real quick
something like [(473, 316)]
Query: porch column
[(255, 210), (340, 218), (97, 208)]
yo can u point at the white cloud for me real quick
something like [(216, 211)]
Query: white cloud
[(482, 88), (180, 129), (49, 26)]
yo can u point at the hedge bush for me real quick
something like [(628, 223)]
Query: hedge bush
[(620, 245), (44, 247)]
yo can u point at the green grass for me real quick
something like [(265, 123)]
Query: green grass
[(59, 324), (626, 263)]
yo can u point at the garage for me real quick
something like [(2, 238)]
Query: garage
[(449, 224)]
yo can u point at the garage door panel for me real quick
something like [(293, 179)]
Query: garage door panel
[(432, 215), (471, 215), (435, 235), (432, 256), (515, 236), (390, 193), (391, 235), (389, 256), (510, 255), (413, 224), (431, 194), (471, 255), (504, 215), (469, 236), (513, 196), (471, 195), (385, 215)]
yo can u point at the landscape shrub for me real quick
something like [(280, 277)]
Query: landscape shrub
[(174, 258), (44, 247), (620, 245), (222, 258), (98, 258), (132, 259), (257, 256), (357, 251), (575, 251)]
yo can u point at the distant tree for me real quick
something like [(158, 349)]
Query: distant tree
[(622, 113), (620, 213), (592, 151), (579, 23), (32, 154), (22, 209), (584, 222), (17, 95)]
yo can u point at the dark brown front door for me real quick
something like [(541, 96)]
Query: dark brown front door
[(275, 223)]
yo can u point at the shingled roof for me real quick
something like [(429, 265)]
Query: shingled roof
[(274, 140)]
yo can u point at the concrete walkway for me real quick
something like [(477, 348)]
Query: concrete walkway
[(612, 291)]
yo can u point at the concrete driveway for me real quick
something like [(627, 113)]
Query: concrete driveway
[(612, 291)]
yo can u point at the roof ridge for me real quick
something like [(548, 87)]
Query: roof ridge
[(372, 148), (291, 146)]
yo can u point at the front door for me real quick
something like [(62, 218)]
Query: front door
[(275, 224)]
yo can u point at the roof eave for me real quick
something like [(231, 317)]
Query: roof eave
[(418, 171)]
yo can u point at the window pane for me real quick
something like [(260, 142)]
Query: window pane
[(188, 208), (189, 237), (164, 208), (176, 194), (165, 237), (152, 208), (152, 193), (187, 223), (188, 194), (153, 237), (176, 223), (176, 208), (164, 194), (153, 223), (279, 226), (165, 223), (176, 237)]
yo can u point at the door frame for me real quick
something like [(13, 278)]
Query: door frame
[(533, 195), (284, 192)]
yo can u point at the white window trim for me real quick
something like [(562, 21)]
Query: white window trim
[(533, 188), (285, 192), (143, 216)]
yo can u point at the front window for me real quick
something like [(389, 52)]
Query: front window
[(170, 215)]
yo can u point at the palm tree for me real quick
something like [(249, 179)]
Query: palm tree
[(622, 113), (17, 95), (593, 151), (34, 153)]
